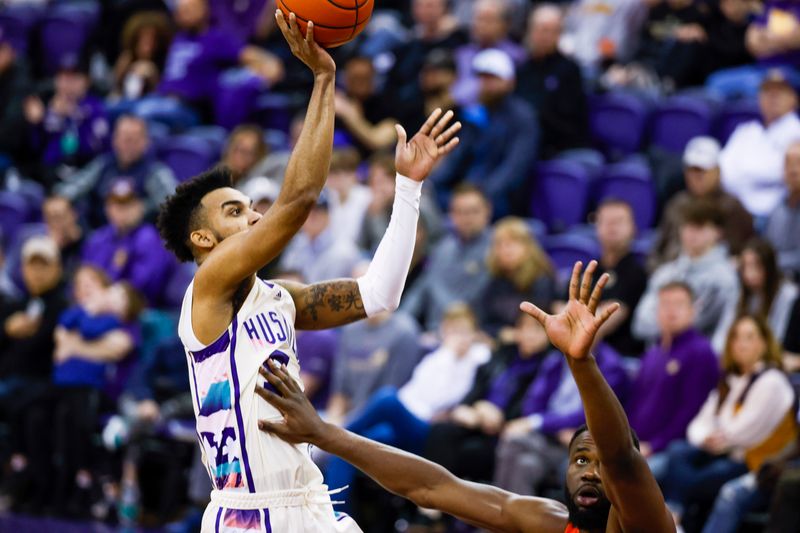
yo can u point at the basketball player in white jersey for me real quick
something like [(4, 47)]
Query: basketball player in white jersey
[(233, 323)]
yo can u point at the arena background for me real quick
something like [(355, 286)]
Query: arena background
[(660, 137)]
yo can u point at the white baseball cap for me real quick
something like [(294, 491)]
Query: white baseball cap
[(43, 247), (262, 188), (702, 152), (495, 63)]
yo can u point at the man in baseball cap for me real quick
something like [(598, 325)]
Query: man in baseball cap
[(129, 248), (701, 173), (500, 139)]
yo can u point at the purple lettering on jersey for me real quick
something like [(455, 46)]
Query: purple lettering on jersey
[(273, 316), (221, 447), (282, 359), (251, 330), (262, 321)]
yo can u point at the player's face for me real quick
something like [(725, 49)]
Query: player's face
[(228, 212), (586, 500)]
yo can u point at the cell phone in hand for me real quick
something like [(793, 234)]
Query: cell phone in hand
[(35, 308)]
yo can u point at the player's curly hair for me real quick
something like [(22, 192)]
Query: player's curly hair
[(180, 214)]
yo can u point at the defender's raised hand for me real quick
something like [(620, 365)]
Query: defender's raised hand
[(300, 423), (305, 48), (416, 158), (573, 330)]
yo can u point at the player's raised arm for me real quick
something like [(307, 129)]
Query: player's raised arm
[(337, 302), (638, 504), (241, 255), (423, 482)]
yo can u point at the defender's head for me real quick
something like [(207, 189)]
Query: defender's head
[(586, 498), (202, 213)]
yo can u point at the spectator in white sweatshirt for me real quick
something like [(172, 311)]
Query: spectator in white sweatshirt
[(746, 420)]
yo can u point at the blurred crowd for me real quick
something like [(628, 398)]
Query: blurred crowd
[(660, 137)]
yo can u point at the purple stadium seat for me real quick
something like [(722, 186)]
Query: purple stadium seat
[(561, 194), (63, 32), (275, 111), (235, 100), (631, 182), (679, 119), (733, 114), (617, 122), (14, 212), (17, 23), (188, 156), (176, 286), (567, 248)]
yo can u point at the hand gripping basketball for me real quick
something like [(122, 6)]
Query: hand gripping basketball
[(335, 21), (305, 48)]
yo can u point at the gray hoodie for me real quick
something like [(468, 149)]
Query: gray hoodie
[(715, 283)]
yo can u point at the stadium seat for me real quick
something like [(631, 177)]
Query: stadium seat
[(275, 111), (188, 155), (617, 123), (17, 24), (679, 119), (632, 182), (567, 248), (733, 114), (561, 194), (64, 31), (14, 211), (235, 101), (176, 286)]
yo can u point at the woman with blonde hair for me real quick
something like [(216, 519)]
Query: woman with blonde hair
[(748, 418), (519, 270)]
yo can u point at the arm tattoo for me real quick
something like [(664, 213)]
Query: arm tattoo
[(337, 302)]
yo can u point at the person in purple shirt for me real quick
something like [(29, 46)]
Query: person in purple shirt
[(128, 248), (675, 377), (239, 17), (774, 40), (200, 53), (72, 128), (465, 441), (489, 29), (534, 446), (317, 349)]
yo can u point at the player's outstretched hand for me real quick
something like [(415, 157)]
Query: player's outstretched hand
[(305, 48), (416, 158), (573, 330), (300, 423)]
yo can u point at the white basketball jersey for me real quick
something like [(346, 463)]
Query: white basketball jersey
[(223, 376)]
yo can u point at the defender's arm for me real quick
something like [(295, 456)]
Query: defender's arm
[(423, 482)]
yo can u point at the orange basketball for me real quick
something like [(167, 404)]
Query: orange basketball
[(335, 21)]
